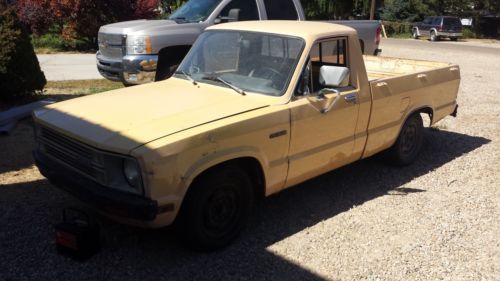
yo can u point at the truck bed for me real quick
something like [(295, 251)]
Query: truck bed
[(399, 86), (386, 67)]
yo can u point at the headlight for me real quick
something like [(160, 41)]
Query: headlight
[(131, 172), (137, 45), (119, 172)]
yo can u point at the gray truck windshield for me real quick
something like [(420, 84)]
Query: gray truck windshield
[(194, 11), (248, 61)]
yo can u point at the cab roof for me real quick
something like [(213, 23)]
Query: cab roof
[(308, 30)]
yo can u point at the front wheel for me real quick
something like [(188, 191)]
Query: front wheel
[(409, 142), (434, 37), (215, 209), (454, 39), (414, 34)]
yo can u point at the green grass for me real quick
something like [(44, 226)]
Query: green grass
[(400, 35), (64, 90), (81, 87)]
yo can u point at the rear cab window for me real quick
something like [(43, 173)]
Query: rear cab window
[(281, 10)]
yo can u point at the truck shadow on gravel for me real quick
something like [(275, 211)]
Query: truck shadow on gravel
[(135, 254)]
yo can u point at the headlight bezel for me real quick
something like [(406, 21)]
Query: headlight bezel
[(132, 172), (113, 174)]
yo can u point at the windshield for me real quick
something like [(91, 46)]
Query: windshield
[(194, 11), (247, 61)]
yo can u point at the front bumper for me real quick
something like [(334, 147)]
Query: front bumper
[(108, 201), (132, 69)]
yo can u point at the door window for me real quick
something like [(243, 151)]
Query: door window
[(330, 52), (248, 9), (436, 21), (281, 10)]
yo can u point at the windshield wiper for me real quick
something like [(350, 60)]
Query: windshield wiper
[(217, 78), (188, 77)]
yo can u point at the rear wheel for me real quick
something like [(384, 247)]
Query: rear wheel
[(215, 209), (434, 37), (409, 142)]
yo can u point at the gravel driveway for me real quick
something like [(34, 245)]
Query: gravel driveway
[(436, 219)]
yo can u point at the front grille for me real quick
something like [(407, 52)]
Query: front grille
[(112, 45), (70, 152)]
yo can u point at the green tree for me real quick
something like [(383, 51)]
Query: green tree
[(405, 10), (451, 7), (328, 9)]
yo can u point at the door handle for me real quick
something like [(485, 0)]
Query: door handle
[(350, 98)]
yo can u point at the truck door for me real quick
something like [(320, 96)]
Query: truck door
[(426, 26), (321, 141)]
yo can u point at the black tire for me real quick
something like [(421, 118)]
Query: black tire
[(414, 34), (215, 209), (434, 37), (454, 39), (409, 142)]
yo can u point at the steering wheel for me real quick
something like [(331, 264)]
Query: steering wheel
[(267, 73)]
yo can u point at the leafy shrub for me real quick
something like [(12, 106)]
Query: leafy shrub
[(36, 14), (79, 20), (468, 33), (393, 28), (20, 73), (49, 40), (145, 9)]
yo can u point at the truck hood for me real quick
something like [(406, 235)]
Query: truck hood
[(129, 27), (124, 119)]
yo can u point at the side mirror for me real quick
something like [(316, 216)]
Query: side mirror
[(334, 76), (233, 15)]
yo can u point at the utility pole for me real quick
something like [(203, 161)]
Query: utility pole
[(372, 10)]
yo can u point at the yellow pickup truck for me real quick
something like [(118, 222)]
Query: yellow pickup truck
[(254, 108)]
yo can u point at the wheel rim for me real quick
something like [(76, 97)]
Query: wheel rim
[(221, 211), (408, 142)]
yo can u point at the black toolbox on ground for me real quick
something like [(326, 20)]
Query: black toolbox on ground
[(77, 236)]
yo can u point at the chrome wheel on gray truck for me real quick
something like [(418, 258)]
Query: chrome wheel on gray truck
[(215, 209), (409, 142)]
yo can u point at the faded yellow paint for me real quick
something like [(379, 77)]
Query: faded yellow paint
[(177, 130)]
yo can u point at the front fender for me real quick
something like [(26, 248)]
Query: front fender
[(219, 157)]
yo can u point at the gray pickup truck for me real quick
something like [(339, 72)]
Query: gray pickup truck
[(142, 51)]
